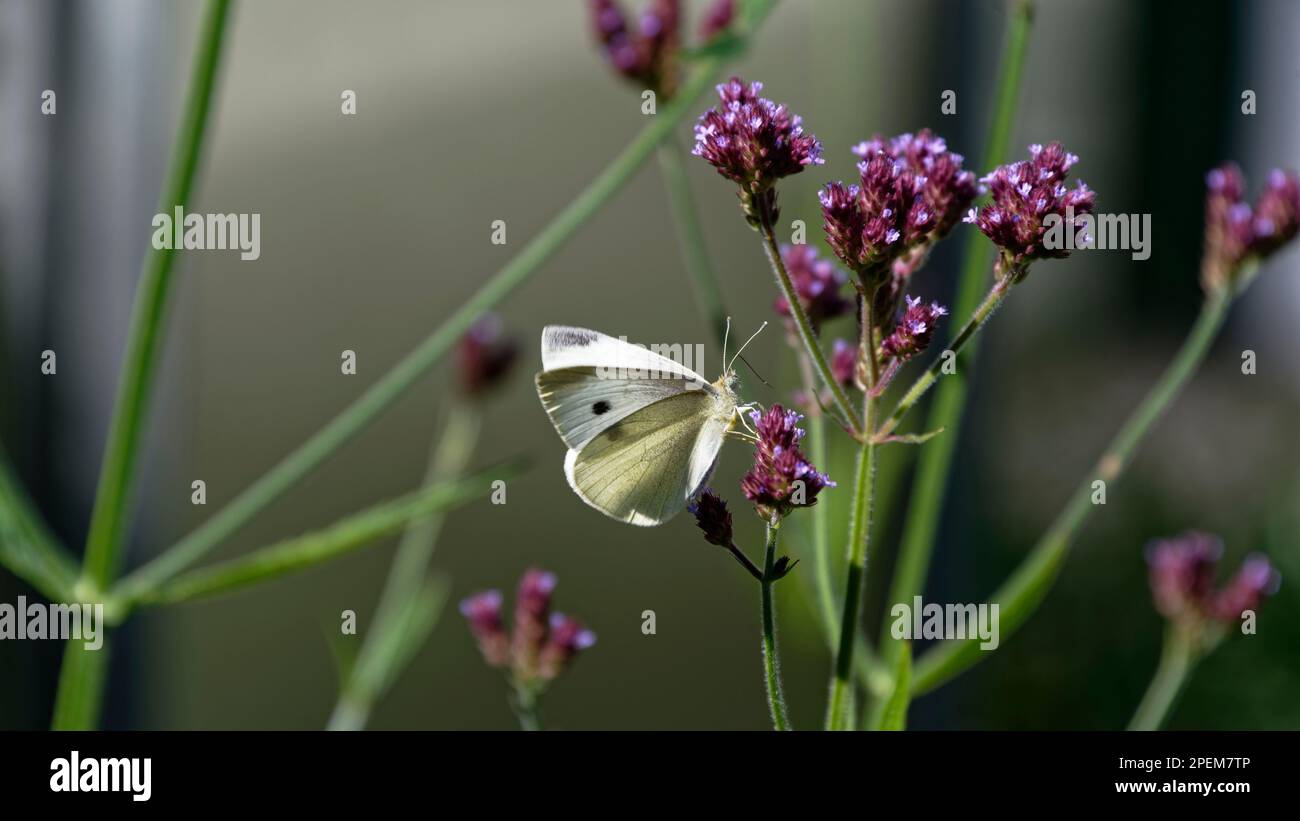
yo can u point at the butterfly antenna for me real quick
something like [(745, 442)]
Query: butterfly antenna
[(725, 335), (746, 345), (756, 373)]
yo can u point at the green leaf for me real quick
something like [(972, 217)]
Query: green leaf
[(894, 716), (311, 549)]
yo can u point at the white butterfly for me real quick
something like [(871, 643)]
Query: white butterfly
[(643, 431)]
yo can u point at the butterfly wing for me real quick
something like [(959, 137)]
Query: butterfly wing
[(592, 381), (644, 468)]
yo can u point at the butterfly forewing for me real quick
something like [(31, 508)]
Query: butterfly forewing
[(581, 403)]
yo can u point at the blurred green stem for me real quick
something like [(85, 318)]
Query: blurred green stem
[(148, 316), (1022, 592), (75, 706), (375, 669), (310, 549), (816, 421), (80, 691), (708, 296), (771, 661), (396, 381), (1177, 658), (528, 708), (925, 502)]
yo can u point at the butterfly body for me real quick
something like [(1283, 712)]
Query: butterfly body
[(643, 431)]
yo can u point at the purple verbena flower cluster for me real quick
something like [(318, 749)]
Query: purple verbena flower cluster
[(781, 478), (1182, 571), (1235, 231), (712, 517), (542, 644), (751, 140), (912, 333), (910, 193), (818, 283), (717, 19), (645, 53), (486, 355), (1029, 201), (844, 362)]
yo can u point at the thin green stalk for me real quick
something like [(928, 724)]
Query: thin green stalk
[(803, 327), (925, 381), (80, 691), (771, 661), (27, 547), (1177, 658), (1022, 592), (117, 475), (81, 680), (528, 708), (311, 549), (925, 501), (840, 708), (406, 373), (378, 662), (893, 713), (695, 253)]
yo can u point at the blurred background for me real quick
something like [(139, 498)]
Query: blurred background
[(376, 226)]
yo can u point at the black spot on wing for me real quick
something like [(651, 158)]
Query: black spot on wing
[(600, 407)]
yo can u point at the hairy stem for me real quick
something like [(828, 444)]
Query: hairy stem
[(1022, 592), (1177, 658), (925, 501), (803, 327), (992, 301), (771, 661), (392, 385), (708, 296)]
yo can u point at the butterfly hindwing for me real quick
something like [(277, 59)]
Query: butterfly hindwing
[(644, 468)]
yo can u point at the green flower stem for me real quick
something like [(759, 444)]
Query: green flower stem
[(528, 708), (377, 666), (708, 296), (803, 327), (406, 373), (771, 661), (79, 694), (310, 549), (1177, 658), (925, 501), (117, 475), (992, 301), (81, 686), (1022, 592), (839, 709)]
